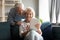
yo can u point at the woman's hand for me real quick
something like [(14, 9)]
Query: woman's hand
[(28, 28), (39, 31), (37, 26)]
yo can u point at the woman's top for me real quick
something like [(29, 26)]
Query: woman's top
[(32, 24)]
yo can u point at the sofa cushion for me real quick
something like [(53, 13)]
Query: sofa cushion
[(47, 31), (4, 30), (45, 25)]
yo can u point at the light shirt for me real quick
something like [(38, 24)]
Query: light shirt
[(32, 24)]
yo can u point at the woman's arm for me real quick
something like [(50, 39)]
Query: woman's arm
[(11, 16), (39, 31), (38, 28)]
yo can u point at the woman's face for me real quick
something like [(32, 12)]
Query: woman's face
[(29, 15)]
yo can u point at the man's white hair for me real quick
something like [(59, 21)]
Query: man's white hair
[(30, 9), (19, 4)]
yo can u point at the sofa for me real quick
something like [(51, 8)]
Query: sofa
[(47, 31), (6, 35), (5, 31)]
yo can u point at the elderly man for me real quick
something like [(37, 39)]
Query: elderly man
[(16, 14), (14, 18)]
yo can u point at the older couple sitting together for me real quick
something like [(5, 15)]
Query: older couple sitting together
[(29, 26)]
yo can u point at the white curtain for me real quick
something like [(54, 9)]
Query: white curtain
[(54, 11)]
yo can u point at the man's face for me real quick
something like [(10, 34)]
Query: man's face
[(19, 9)]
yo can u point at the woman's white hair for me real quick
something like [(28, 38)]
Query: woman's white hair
[(30, 9), (19, 5)]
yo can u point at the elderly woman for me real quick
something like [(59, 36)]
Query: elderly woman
[(30, 27)]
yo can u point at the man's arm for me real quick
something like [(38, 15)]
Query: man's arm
[(11, 16)]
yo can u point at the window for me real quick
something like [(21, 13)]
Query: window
[(5, 6), (44, 10), (49, 10)]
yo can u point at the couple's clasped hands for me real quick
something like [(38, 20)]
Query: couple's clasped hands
[(27, 28), (37, 26)]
